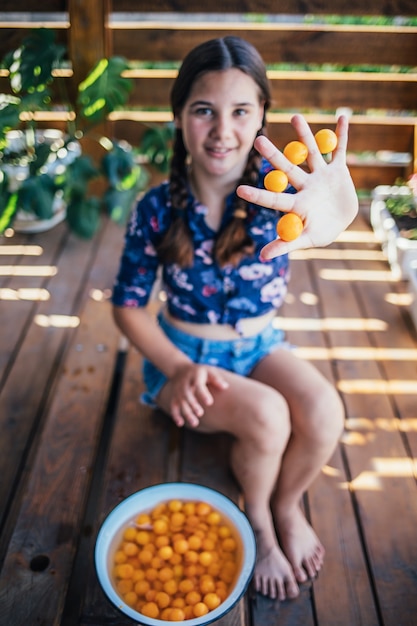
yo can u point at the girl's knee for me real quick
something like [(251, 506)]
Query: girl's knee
[(328, 415), (267, 421)]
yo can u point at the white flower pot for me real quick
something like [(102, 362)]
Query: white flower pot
[(413, 290), (26, 221), (400, 251)]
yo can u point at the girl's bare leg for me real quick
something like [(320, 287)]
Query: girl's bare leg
[(316, 424), (258, 417), (286, 420)]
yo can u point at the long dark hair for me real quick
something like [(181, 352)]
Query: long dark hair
[(233, 241)]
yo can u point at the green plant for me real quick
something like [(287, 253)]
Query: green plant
[(156, 145), (402, 205), (57, 166), (403, 202)]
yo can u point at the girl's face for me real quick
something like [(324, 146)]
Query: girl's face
[(219, 123)]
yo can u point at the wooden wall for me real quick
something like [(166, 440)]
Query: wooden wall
[(93, 29)]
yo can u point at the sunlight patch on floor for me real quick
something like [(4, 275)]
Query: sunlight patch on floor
[(25, 293), (57, 321)]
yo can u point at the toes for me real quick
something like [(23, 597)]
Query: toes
[(277, 589), (301, 574), (292, 590)]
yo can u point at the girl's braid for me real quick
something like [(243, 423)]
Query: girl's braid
[(177, 246), (234, 241)]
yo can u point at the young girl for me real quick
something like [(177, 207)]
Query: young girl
[(214, 360)]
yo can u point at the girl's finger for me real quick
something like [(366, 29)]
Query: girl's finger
[(269, 199), (342, 138), (305, 135), (270, 152), (280, 247)]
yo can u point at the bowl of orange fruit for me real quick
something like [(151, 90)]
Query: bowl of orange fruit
[(175, 552)]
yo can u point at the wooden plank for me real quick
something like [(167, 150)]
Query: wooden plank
[(48, 522), (308, 90), (342, 587), (30, 6), (277, 42), (12, 36), (140, 452), (45, 326), (34, 273), (89, 39), (368, 177), (205, 461), (372, 450), (355, 7)]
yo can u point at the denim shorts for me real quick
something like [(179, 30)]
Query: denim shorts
[(236, 355)]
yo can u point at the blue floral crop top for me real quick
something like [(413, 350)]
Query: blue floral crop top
[(205, 292)]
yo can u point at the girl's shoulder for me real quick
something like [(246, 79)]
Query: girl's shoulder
[(155, 199)]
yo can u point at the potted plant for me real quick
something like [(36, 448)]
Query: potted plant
[(394, 220), (44, 173)]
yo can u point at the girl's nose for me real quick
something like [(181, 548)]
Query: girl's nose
[(221, 127)]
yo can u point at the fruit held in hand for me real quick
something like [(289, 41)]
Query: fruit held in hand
[(296, 152), (276, 181), (326, 140), (290, 226)]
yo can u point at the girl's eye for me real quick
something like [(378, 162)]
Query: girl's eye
[(203, 111), (240, 112)]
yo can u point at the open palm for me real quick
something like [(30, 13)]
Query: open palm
[(326, 199)]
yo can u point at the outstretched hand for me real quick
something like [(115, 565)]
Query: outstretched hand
[(326, 199)]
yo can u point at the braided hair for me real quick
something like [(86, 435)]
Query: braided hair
[(233, 241)]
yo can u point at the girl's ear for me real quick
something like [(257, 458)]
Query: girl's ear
[(177, 121)]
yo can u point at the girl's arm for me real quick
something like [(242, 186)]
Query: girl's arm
[(326, 199), (190, 383), (143, 331)]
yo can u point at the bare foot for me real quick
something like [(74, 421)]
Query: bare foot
[(274, 576), (300, 545)]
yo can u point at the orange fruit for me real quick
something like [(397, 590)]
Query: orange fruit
[(212, 600), (326, 140), (162, 599), (296, 152), (200, 609), (277, 181), (176, 615), (160, 527), (202, 509), (289, 227), (150, 609)]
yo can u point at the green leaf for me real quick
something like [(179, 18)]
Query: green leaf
[(31, 65), (120, 199), (41, 155), (9, 116), (8, 203), (156, 145), (77, 176), (103, 90), (36, 194), (84, 217), (117, 164)]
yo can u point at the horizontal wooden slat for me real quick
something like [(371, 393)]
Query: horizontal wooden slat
[(360, 91), (11, 38), (29, 6), (299, 90), (277, 43), (331, 7)]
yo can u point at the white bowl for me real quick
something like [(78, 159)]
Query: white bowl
[(111, 530)]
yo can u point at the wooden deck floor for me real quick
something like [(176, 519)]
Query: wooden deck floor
[(75, 441)]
